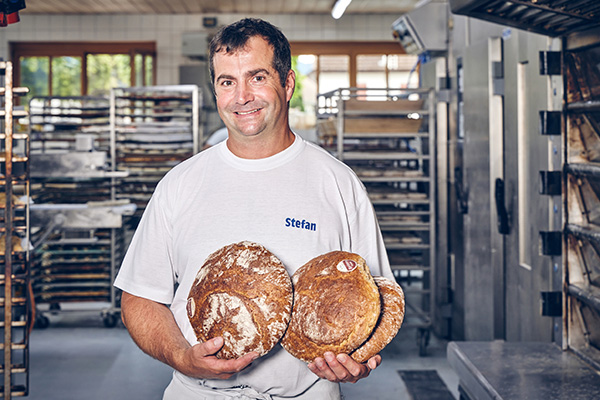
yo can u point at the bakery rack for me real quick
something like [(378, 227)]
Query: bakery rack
[(153, 128), (581, 199), (76, 222), (15, 298), (387, 137)]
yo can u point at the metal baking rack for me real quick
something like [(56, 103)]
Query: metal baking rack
[(77, 223), (387, 138), (153, 128), (15, 298), (581, 199)]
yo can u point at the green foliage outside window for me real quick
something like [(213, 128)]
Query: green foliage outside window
[(66, 76), (34, 75), (106, 71), (297, 101), (149, 70)]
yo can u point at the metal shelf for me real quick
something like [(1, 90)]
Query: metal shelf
[(585, 232), (74, 195), (587, 296), (403, 200), (14, 224), (409, 267), (584, 106), (383, 135), (581, 191), (407, 246), (391, 152), (382, 113), (153, 129), (404, 225), (384, 179), (354, 155), (580, 169)]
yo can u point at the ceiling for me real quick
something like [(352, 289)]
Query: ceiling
[(255, 7)]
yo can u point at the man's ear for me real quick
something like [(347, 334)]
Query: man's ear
[(290, 84)]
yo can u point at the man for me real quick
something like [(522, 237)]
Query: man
[(245, 188)]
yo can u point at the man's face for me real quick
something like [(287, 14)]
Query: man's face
[(250, 98)]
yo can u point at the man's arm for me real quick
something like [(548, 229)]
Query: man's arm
[(153, 328)]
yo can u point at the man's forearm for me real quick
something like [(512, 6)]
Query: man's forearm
[(153, 328)]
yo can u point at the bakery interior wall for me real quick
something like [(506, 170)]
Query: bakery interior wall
[(167, 31)]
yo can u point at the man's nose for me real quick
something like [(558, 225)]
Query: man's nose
[(244, 93)]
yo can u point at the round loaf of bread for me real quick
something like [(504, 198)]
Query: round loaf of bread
[(336, 306), (390, 319), (243, 293)]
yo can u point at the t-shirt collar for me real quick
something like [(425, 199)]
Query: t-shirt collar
[(262, 164)]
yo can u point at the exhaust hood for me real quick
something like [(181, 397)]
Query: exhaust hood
[(425, 28), (548, 17)]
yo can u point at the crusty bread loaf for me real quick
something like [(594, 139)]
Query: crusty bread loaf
[(336, 306), (390, 319), (243, 293)]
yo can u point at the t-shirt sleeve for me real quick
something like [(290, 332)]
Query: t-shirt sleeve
[(367, 240), (147, 269)]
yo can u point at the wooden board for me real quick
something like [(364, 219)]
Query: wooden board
[(385, 105), (382, 125)]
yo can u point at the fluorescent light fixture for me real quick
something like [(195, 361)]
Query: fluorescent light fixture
[(339, 7)]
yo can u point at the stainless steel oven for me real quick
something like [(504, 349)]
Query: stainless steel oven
[(542, 57)]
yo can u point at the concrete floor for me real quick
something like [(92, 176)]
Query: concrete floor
[(77, 358)]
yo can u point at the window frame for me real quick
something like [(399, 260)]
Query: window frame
[(348, 48), (81, 49)]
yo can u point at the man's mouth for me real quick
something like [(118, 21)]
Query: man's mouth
[(247, 112)]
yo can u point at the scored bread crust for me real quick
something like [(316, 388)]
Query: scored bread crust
[(243, 293), (336, 306), (390, 319)]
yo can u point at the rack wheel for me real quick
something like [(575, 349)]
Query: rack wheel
[(423, 341), (110, 320), (42, 322)]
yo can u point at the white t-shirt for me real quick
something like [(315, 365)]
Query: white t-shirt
[(299, 203)]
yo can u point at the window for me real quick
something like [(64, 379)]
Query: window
[(66, 76), (323, 67), (386, 71), (315, 75), (105, 71), (86, 68)]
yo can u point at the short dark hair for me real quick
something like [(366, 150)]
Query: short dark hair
[(234, 37)]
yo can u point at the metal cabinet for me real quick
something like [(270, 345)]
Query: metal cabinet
[(387, 137), (15, 300)]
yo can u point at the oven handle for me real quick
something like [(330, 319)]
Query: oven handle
[(503, 226), (462, 194)]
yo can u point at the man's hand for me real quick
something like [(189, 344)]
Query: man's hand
[(154, 330), (342, 368), (200, 361)]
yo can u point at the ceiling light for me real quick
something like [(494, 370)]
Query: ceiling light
[(339, 7)]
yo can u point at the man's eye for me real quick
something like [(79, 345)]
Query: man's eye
[(259, 78)]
